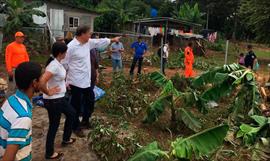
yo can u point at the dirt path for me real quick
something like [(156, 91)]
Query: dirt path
[(78, 152)]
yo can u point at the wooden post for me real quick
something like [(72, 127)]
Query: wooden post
[(226, 54), (161, 60)]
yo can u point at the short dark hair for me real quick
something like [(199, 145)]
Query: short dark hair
[(249, 46), (82, 30), (26, 73), (57, 48), (190, 44), (139, 37), (241, 54)]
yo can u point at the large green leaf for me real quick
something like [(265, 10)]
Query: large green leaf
[(159, 78), (169, 89), (206, 78), (220, 77), (156, 109), (150, 152), (199, 144), (249, 133), (190, 120), (218, 91), (211, 77), (261, 120)]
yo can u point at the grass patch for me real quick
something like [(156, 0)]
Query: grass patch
[(262, 54)]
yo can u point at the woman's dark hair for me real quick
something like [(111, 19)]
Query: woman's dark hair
[(57, 48), (26, 73), (190, 44), (241, 54), (82, 30)]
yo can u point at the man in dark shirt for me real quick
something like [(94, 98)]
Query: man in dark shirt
[(250, 58)]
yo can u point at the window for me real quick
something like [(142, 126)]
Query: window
[(73, 22)]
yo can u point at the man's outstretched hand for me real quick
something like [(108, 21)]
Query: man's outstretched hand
[(115, 39)]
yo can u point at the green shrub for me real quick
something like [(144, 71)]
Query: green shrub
[(125, 97), (218, 46), (111, 144)]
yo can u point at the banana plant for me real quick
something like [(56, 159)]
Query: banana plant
[(170, 97), (150, 152), (251, 133), (198, 145), (210, 86), (223, 81)]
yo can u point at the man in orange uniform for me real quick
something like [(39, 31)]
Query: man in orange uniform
[(189, 60), (15, 54)]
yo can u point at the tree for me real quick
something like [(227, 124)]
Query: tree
[(166, 9), (125, 10), (189, 13), (154, 3), (256, 15), (20, 14)]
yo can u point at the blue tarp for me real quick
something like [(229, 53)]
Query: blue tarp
[(38, 100)]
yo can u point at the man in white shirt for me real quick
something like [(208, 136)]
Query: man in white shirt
[(165, 56), (78, 69)]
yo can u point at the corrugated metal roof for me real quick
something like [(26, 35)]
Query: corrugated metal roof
[(159, 20)]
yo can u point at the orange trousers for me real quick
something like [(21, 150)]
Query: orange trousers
[(188, 70)]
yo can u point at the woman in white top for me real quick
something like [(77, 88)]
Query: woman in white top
[(54, 76)]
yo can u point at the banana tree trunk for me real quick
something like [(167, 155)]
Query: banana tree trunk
[(173, 111)]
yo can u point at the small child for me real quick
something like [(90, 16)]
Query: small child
[(241, 59)]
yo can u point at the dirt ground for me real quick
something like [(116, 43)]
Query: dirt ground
[(77, 152)]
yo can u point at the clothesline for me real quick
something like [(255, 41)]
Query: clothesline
[(154, 31)]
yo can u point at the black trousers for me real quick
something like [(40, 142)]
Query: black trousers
[(134, 62), (55, 108), (82, 97), (164, 62)]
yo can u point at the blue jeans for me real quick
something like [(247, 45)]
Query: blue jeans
[(117, 65)]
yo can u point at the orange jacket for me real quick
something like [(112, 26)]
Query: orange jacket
[(15, 55), (189, 56)]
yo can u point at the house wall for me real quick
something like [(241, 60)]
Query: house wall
[(2, 23), (85, 17)]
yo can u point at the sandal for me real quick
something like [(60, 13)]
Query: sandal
[(71, 141), (58, 156)]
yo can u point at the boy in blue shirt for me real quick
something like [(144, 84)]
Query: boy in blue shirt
[(139, 48), (16, 115)]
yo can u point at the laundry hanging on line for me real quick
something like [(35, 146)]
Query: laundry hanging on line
[(154, 31), (212, 37)]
